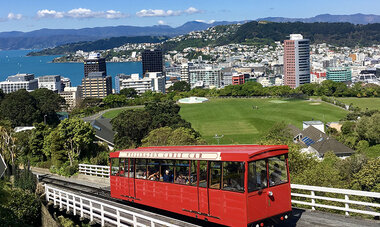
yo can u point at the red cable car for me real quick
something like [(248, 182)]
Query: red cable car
[(236, 185)]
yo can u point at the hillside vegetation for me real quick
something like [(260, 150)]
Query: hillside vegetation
[(101, 44)]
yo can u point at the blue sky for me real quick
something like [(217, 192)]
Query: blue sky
[(27, 15)]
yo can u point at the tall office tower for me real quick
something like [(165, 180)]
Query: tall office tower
[(94, 63), (152, 61), (185, 73), (296, 61), (97, 85)]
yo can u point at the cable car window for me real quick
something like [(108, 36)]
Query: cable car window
[(167, 171), (153, 169), (215, 174), (233, 176), (114, 166), (277, 170), (140, 168), (193, 173), (131, 167), (257, 175), (203, 174), (122, 167), (182, 172)]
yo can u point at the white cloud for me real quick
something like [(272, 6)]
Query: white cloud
[(161, 22), (12, 16), (207, 22), (167, 13), (81, 13)]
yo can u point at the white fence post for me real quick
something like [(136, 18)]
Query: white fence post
[(346, 205), (312, 200)]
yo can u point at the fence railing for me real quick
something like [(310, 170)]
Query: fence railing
[(103, 171), (104, 214), (94, 170), (367, 207)]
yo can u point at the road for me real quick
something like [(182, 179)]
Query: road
[(99, 114)]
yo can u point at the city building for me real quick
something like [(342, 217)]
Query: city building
[(51, 82), (237, 79), (72, 95), (185, 74), (151, 82), (296, 61), (65, 82), (118, 78), (96, 85), (338, 74), (152, 61), (19, 81), (94, 63), (210, 77)]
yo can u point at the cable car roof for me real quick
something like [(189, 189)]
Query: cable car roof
[(212, 153)]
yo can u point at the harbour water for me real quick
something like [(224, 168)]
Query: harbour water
[(16, 61)]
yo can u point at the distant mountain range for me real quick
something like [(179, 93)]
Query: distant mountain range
[(353, 19), (44, 38)]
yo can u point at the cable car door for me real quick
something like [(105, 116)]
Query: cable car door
[(131, 179), (203, 199)]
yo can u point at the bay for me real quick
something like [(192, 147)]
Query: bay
[(16, 61)]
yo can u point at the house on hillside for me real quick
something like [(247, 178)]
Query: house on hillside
[(317, 142)]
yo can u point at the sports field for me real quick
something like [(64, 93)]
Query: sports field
[(245, 121), (363, 103)]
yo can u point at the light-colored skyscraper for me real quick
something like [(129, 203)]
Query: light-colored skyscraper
[(296, 61)]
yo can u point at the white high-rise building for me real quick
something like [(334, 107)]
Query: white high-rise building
[(153, 81), (296, 61), (51, 82), (72, 95), (19, 81), (209, 77)]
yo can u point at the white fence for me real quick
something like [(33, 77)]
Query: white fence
[(101, 212), (103, 171), (94, 170), (346, 201)]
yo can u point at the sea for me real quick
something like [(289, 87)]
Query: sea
[(16, 61)]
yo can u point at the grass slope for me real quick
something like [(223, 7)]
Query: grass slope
[(363, 103), (240, 123)]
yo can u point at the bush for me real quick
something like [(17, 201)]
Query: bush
[(25, 205), (65, 170)]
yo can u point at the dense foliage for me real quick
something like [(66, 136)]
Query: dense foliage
[(133, 125), (340, 34), (23, 108), (101, 44)]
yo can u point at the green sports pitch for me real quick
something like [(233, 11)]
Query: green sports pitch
[(362, 103), (245, 121)]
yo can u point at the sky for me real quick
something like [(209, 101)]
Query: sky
[(28, 15)]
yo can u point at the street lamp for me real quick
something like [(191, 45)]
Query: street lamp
[(218, 138)]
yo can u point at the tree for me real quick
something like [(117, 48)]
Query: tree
[(75, 135), (165, 113), (167, 136), (368, 178), (368, 128), (279, 132), (20, 108), (131, 127), (36, 143), (48, 103), (129, 92), (114, 100), (8, 142), (180, 86)]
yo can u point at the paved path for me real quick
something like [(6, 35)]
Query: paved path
[(303, 218), (99, 114)]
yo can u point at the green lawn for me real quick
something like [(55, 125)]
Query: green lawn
[(363, 103), (240, 123), (113, 113)]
